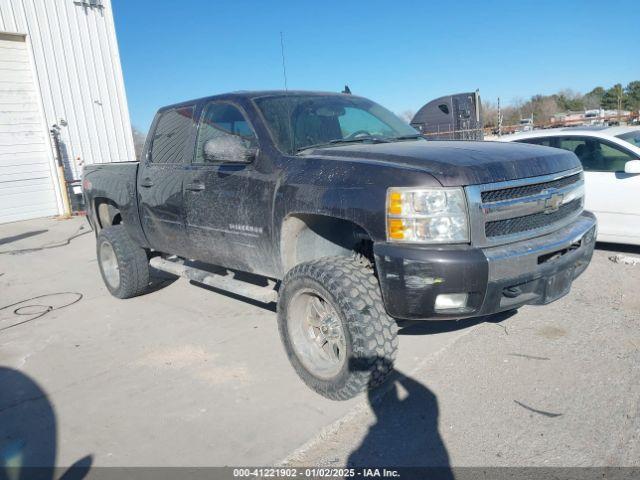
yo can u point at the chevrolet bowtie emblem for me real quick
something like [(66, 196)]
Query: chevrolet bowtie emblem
[(552, 203)]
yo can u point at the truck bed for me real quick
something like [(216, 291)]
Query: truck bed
[(113, 183)]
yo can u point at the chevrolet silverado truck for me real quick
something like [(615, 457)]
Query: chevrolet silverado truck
[(334, 208)]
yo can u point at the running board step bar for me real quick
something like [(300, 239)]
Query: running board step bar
[(223, 282)]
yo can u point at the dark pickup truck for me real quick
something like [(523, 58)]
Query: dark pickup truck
[(344, 215)]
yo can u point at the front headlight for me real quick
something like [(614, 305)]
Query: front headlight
[(427, 215)]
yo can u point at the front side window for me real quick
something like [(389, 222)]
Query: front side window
[(171, 135), (224, 125), (596, 155), (297, 122)]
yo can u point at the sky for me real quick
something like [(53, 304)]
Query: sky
[(400, 54)]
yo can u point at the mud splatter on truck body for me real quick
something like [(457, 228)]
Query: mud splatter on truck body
[(268, 182)]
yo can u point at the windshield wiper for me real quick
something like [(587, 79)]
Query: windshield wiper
[(339, 141), (408, 137)]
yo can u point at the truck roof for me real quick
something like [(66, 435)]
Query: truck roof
[(249, 94)]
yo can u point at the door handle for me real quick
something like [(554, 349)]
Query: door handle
[(146, 183), (195, 186)]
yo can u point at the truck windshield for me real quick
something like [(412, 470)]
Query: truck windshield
[(297, 122)]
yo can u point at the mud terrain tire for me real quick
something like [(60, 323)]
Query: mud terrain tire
[(124, 265), (349, 289)]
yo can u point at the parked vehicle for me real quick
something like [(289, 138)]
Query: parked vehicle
[(345, 216), (610, 157), (452, 117), (525, 125)]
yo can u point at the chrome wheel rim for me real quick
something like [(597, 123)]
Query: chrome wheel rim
[(316, 334), (109, 264)]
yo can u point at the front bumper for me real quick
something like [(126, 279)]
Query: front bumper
[(535, 271)]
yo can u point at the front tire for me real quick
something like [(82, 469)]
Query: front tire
[(124, 265), (335, 330)]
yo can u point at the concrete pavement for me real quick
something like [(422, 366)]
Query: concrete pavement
[(181, 376), (554, 386), (188, 377)]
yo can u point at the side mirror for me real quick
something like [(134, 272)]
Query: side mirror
[(228, 148), (632, 166)]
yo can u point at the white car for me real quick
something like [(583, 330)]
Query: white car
[(610, 157)]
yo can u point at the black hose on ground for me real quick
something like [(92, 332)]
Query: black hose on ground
[(37, 310), (61, 243)]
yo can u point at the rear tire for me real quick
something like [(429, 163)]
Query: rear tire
[(334, 328), (124, 265)]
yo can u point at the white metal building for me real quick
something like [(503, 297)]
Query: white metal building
[(59, 65)]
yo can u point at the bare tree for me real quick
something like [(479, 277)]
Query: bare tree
[(518, 103), (547, 109), (489, 113), (511, 115), (592, 100), (407, 115), (138, 141)]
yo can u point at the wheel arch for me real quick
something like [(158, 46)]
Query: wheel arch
[(107, 212), (305, 237)]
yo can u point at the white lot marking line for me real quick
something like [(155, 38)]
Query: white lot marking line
[(361, 407)]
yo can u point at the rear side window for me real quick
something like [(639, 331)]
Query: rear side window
[(171, 135), (546, 141)]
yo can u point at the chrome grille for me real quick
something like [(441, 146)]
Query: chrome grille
[(535, 221), (516, 210), (528, 190)]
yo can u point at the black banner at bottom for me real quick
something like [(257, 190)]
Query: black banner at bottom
[(283, 473)]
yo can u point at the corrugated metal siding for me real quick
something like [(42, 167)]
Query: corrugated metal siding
[(79, 75)]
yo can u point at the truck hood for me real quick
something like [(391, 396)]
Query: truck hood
[(459, 163)]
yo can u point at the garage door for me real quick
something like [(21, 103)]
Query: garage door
[(26, 183)]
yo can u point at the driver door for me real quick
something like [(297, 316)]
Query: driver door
[(227, 198)]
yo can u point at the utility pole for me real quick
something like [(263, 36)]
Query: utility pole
[(619, 95), (64, 190), (499, 119)]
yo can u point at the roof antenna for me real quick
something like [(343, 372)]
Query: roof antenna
[(284, 68), (347, 90), (286, 89)]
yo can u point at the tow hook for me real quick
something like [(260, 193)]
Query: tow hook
[(511, 292)]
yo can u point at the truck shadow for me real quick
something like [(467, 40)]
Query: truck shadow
[(406, 327), (159, 279), (266, 306), (618, 248), (429, 327), (21, 236), (28, 437), (405, 432)]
